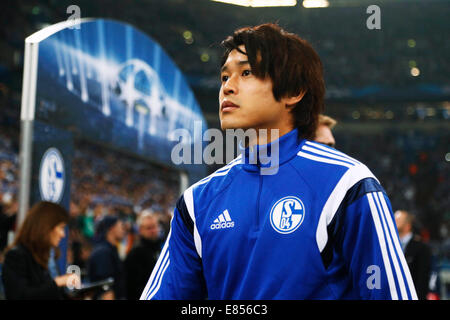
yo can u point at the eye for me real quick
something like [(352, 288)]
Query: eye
[(224, 78), (246, 73)]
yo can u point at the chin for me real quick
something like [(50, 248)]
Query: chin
[(226, 125), (229, 124)]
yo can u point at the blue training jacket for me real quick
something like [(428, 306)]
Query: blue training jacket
[(322, 227)]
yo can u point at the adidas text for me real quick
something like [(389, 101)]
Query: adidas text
[(222, 225)]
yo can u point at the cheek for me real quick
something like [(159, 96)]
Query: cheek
[(260, 87), (260, 95)]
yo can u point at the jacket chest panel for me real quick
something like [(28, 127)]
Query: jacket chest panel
[(259, 214)]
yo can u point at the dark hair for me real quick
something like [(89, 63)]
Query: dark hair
[(103, 226), (292, 65), (34, 232)]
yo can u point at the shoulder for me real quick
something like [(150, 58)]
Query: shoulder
[(417, 244), (17, 259), (210, 186), (328, 166), (100, 251), (201, 193), (217, 177), (134, 254), (18, 252)]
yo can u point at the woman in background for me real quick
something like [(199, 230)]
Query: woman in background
[(25, 269)]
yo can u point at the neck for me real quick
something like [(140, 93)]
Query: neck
[(264, 136), (404, 234)]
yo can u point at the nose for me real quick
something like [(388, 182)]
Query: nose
[(230, 86)]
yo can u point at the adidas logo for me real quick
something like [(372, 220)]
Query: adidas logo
[(223, 221)]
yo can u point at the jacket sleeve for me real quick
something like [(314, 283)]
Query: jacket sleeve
[(16, 284), (178, 273), (370, 244)]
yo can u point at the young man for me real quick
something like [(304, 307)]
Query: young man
[(320, 228)]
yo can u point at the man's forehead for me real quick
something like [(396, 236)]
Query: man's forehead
[(234, 62), (239, 50), (235, 56)]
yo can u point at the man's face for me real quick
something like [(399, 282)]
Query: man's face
[(118, 231), (401, 222), (149, 228), (248, 102), (325, 136)]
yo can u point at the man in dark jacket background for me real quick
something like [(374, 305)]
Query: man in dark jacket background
[(417, 253), (104, 261), (142, 258)]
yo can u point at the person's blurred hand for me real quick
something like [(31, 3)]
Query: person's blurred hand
[(70, 280), (108, 295)]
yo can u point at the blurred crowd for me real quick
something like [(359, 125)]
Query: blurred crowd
[(352, 54), (105, 185), (413, 169)]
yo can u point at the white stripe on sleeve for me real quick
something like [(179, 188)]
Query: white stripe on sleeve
[(328, 154), (382, 242), (189, 200), (391, 250), (398, 248), (325, 160)]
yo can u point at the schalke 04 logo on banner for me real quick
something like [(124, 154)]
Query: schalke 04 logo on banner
[(51, 176)]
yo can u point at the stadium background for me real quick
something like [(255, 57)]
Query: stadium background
[(388, 89)]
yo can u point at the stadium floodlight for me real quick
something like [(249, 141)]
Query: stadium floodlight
[(315, 3), (260, 3)]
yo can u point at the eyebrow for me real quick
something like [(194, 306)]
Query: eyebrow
[(239, 63)]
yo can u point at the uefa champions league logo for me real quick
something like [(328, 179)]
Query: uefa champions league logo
[(138, 87), (287, 214), (51, 176)]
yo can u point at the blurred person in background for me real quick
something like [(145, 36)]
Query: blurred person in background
[(8, 213), (142, 258), (417, 253), (323, 131), (105, 261), (26, 273)]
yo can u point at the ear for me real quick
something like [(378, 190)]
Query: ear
[(291, 101)]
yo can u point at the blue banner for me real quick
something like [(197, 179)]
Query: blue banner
[(110, 83)]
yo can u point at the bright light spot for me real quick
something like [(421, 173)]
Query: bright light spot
[(356, 115), (204, 57), (260, 3), (273, 3), (415, 72), (36, 10), (187, 34), (411, 43), (141, 109), (447, 157), (431, 112), (315, 3)]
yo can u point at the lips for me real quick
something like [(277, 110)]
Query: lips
[(228, 106)]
